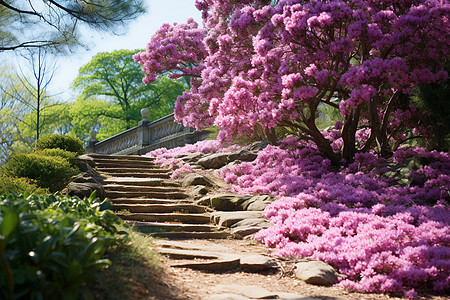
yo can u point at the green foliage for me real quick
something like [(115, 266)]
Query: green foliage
[(50, 172), (71, 157), (60, 141), (19, 185), (52, 246), (116, 77)]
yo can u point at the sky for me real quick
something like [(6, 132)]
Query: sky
[(136, 37)]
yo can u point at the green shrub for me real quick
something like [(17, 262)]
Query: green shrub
[(71, 157), (60, 141), (19, 185), (50, 172), (52, 246)]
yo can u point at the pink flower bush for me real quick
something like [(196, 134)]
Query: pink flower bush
[(384, 236)]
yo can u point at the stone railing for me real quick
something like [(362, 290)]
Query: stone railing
[(147, 136)]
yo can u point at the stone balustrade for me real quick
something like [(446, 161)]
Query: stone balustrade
[(147, 136)]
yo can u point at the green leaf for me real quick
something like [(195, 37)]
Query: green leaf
[(10, 221)]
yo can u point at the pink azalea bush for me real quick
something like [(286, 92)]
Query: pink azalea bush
[(383, 235)]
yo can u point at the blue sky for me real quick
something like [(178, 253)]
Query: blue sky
[(137, 36)]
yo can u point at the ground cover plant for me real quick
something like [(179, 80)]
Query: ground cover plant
[(52, 246), (382, 223)]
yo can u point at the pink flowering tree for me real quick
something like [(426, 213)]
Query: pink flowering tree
[(278, 63)]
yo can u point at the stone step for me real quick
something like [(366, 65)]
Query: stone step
[(147, 201), (121, 157), (125, 163), (172, 227), (138, 175), (139, 188), (144, 194), (134, 181), (132, 170), (160, 208), (191, 235), (226, 263), (166, 217), (188, 254)]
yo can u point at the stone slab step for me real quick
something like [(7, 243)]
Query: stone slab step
[(222, 264), (130, 170), (124, 163), (134, 181), (139, 188), (138, 174), (148, 201), (121, 157), (187, 245), (160, 208), (157, 195), (191, 235), (172, 227), (188, 254), (166, 217)]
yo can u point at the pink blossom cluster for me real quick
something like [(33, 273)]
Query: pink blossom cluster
[(267, 64)]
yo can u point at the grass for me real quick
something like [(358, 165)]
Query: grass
[(135, 273)]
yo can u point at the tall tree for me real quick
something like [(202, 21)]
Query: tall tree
[(273, 63), (115, 76), (48, 23)]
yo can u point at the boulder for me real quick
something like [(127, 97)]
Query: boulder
[(191, 157), (257, 202), (199, 191), (218, 160), (316, 272), (257, 263), (257, 146), (224, 201), (196, 179), (258, 222), (228, 218), (84, 189)]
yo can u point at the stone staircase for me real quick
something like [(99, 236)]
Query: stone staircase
[(143, 196)]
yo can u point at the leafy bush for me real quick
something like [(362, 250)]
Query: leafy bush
[(52, 246), (19, 185), (50, 172), (71, 157), (60, 141)]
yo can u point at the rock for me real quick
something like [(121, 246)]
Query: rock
[(84, 189), (229, 218), (226, 296), (316, 272), (243, 155), (196, 179), (257, 263), (86, 159), (218, 160), (257, 202), (214, 161), (257, 146), (249, 291), (259, 222), (224, 201), (199, 191), (242, 232), (191, 157)]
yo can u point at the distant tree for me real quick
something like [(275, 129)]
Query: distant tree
[(116, 77), (47, 23)]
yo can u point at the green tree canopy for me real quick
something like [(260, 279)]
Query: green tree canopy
[(115, 77), (47, 23)]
